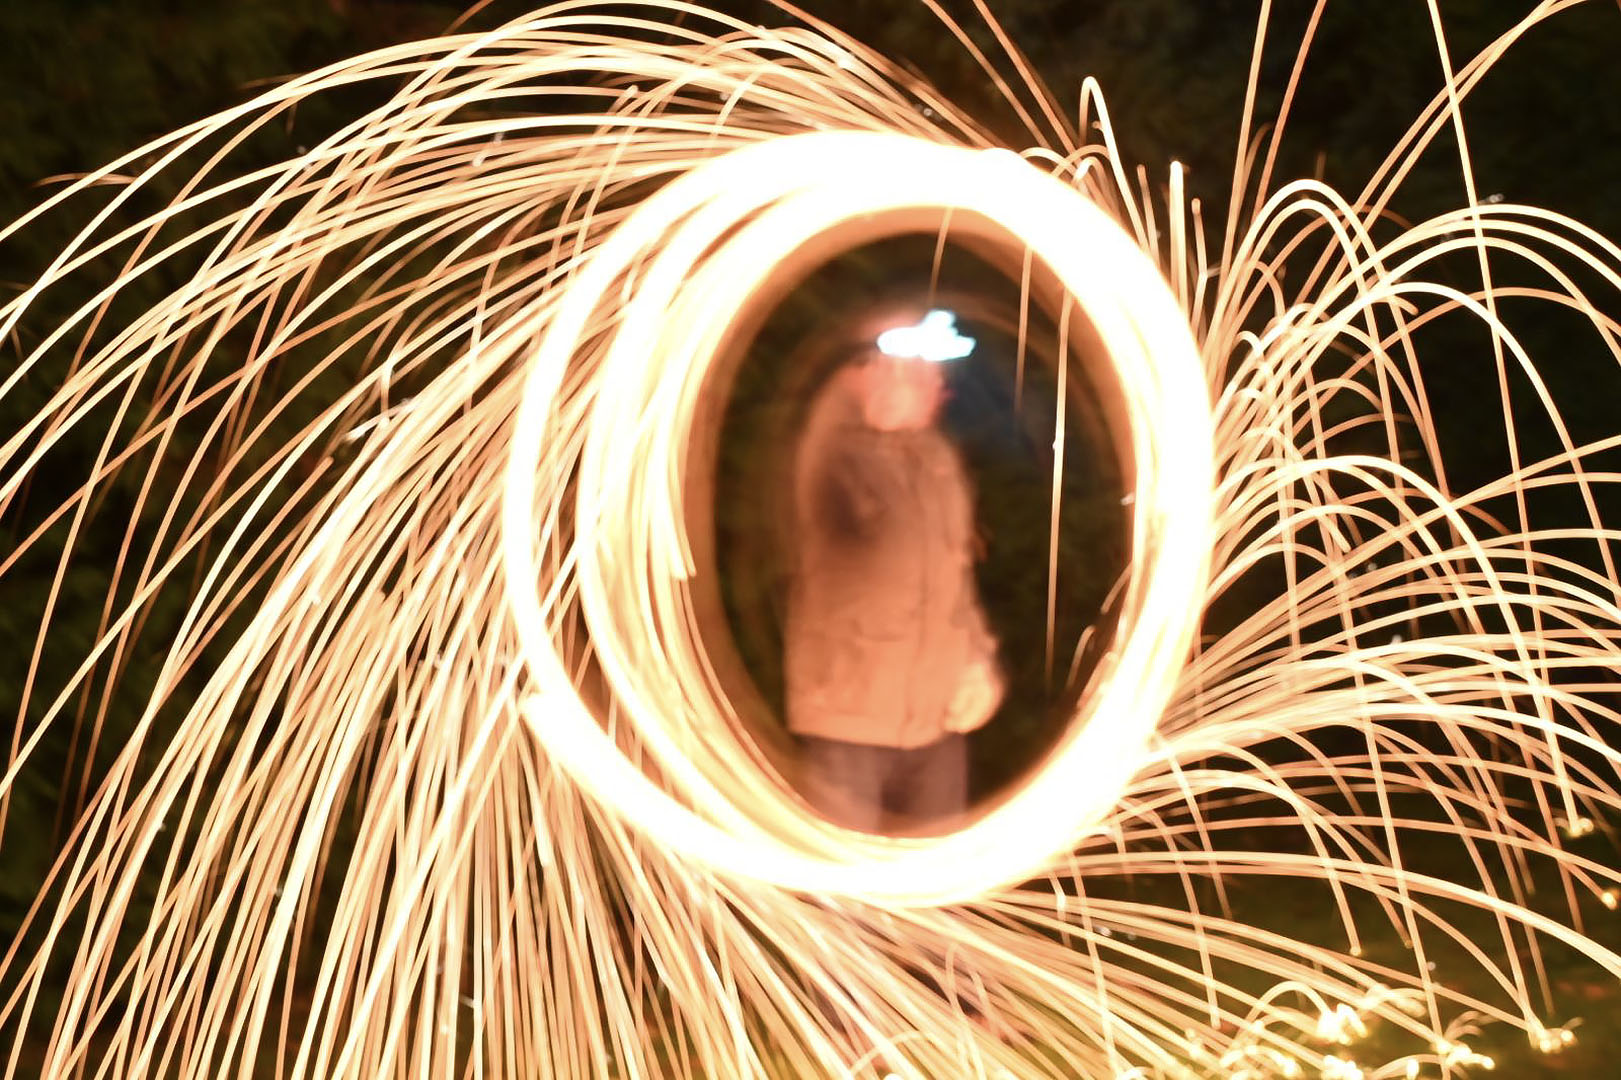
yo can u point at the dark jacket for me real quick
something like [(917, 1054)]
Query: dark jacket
[(883, 615)]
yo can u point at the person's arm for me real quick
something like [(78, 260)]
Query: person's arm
[(843, 504), (982, 684), (979, 693)]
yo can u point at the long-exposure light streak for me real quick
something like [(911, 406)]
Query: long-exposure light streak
[(810, 188), (419, 765)]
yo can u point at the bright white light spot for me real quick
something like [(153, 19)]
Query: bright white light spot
[(935, 339), (1577, 827)]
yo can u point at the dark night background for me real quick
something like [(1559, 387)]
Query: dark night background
[(83, 81)]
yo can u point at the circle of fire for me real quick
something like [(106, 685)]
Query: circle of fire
[(778, 196)]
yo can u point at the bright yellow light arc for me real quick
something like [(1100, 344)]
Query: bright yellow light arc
[(803, 187)]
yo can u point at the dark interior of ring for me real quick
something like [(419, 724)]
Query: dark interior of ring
[(756, 400)]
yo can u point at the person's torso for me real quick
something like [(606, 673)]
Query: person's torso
[(906, 555), (876, 605)]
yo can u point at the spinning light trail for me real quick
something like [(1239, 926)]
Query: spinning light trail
[(435, 778)]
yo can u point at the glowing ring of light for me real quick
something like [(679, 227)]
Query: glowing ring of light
[(807, 185)]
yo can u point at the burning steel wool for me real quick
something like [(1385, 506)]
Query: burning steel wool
[(439, 773)]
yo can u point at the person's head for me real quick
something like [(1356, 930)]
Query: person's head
[(900, 393), (903, 383)]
